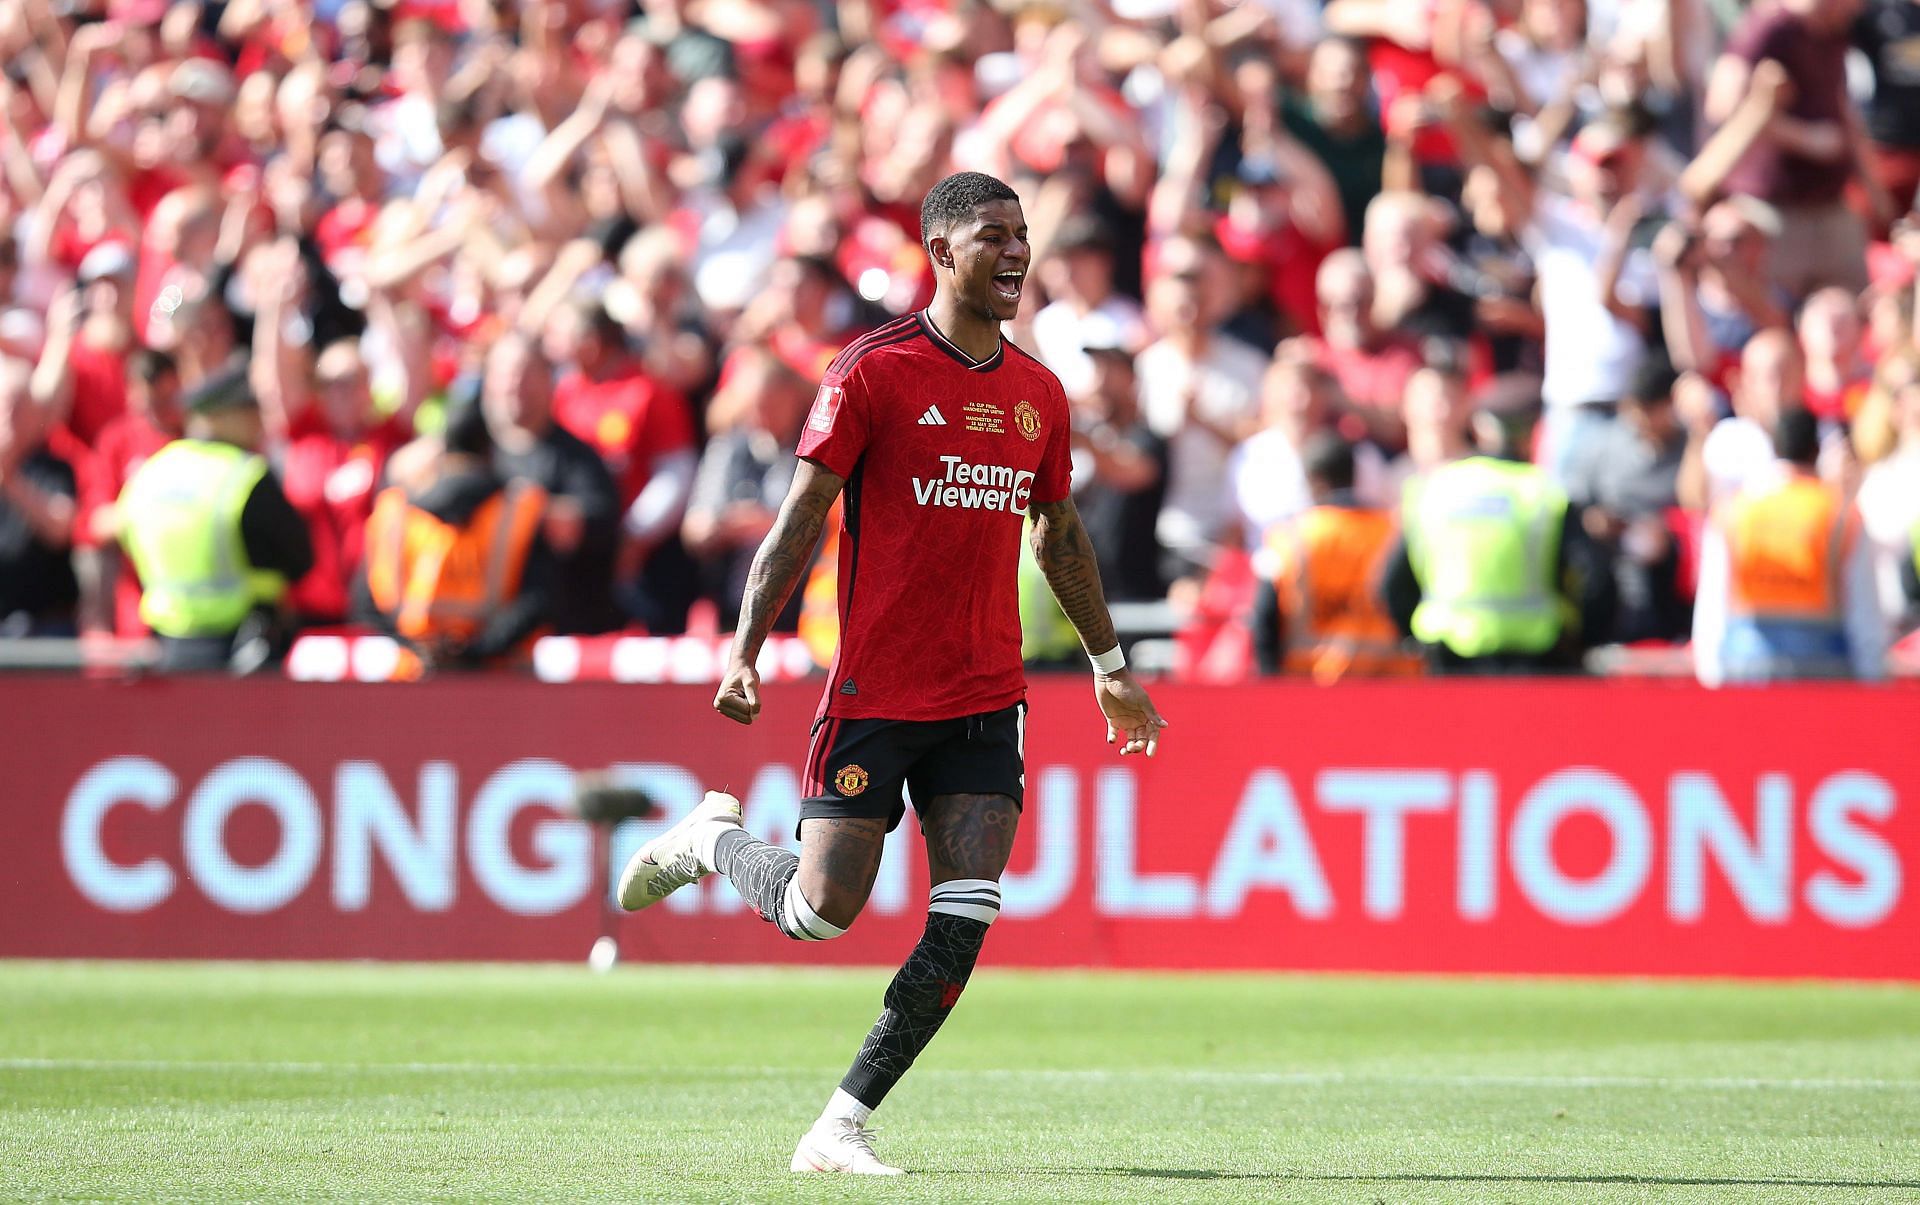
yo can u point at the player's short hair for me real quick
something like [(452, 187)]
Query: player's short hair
[(954, 199)]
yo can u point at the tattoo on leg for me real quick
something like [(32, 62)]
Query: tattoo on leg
[(839, 857), (970, 836)]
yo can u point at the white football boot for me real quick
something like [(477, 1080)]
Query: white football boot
[(840, 1144), (672, 860)]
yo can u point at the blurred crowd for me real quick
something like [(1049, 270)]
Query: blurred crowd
[(1286, 256)]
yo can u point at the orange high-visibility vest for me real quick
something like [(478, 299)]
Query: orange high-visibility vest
[(1787, 545), (820, 597), (438, 580), (1328, 568)]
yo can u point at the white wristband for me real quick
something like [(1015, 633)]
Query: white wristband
[(1108, 662)]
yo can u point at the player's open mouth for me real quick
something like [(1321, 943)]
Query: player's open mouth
[(1008, 284)]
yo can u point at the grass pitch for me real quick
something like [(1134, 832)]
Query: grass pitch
[(406, 1083)]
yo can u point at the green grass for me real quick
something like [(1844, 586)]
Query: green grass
[(404, 1083)]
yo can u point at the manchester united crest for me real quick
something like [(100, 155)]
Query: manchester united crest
[(850, 781), (1027, 420)]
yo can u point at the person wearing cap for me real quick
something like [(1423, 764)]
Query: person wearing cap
[(1317, 610), (214, 539), (1119, 472), (1786, 580), (456, 569), (1494, 573), (1625, 487)]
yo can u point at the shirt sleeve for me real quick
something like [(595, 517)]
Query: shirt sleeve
[(840, 423), (274, 534), (1054, 480)]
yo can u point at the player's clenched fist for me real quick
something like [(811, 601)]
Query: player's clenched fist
[(739, 697)]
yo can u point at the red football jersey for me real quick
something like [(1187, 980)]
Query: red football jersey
[(942, 457)]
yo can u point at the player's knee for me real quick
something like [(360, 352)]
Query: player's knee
[(803, 920)]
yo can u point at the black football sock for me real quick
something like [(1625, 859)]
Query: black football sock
[(926, 989), (763, 875)]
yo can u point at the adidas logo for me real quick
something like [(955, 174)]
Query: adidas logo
[(848, 688), (932, 418)]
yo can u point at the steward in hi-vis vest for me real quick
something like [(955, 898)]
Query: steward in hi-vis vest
[(1317, 612), (1786, 581), (456, 568), (212, 536), (1494, 574)]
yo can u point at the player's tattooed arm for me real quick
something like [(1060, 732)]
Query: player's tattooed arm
[(777, 569), (1065, 554)]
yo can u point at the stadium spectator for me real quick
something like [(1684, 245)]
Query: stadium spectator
[(1493, 572), (743, 477), (1625, 487), (213, 537), (37, 504), (1078, 276), (644, 434), (1885, 32), (1119, 472), (82, 375), (1265, 474), (583, 505), (1805, 146), (1726, 454), (332, 460), (1437, 417), (1199, 391), (1889, 498), (1786, 582), (1317, 611), (1837, 373), (1715, 292), (456, 569), (1597, 282), (1332, 116), (1371, 366), (154, 418)]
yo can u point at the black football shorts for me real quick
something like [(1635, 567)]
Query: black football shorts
[(857, 767)]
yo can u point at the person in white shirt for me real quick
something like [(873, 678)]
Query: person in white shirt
[(1200, 391), (1078, 276)]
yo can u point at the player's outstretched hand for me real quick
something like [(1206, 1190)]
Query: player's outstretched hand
[(1131, 718), (739, 697)]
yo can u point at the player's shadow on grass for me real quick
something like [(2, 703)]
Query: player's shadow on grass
[(1186, 1173)]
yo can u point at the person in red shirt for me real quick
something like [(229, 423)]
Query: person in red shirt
[(82, 374), (110, 590), (946, 440), (644, 432), (336, 450), (1372, 366)]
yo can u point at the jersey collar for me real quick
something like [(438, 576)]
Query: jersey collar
[(953, 349)]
